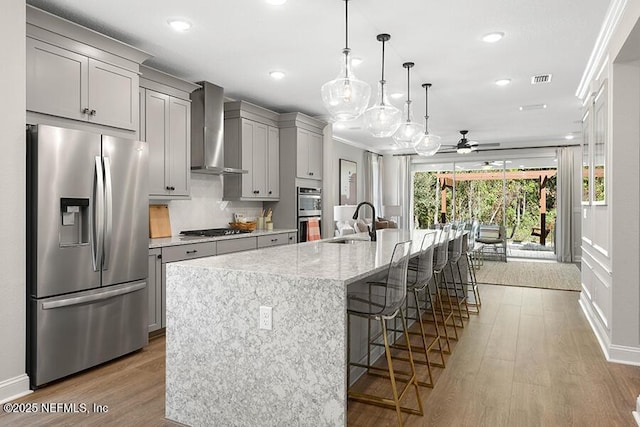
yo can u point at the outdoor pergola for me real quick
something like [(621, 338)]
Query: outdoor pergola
[(446, 180)]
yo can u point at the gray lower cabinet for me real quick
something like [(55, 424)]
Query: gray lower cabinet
[(276, 239), (236, 245), (154, 287)]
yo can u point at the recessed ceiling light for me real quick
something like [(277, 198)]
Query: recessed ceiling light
[(503, 82), (179, 24), (569, 136), (356, 61), (397, 95), (277, 75), (276, 2), (492, 37)]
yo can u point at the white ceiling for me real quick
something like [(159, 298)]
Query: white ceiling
[(236, 43)]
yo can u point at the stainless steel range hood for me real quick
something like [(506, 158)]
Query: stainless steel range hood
[(207, 131)]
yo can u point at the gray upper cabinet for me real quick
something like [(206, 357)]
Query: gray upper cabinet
[(65, 84), (251, 142), (165, 123), (309, 156), (75, 73)]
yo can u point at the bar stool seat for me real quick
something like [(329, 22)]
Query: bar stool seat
[(385, 301)]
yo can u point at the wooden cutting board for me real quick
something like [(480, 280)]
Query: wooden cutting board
[(159, 224)]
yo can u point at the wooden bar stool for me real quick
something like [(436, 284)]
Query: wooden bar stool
[(384, 301)]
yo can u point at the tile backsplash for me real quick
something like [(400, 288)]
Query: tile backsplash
[(206, 209)]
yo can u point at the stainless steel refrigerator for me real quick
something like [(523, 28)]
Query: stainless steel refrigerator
[(87, 249)]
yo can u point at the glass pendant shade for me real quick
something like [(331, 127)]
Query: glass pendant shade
[(382, 119), (408, 129), (345, 97), (426, 144)]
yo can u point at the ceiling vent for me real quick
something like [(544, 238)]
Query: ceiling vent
[(541, 78)]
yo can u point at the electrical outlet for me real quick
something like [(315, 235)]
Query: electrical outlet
[(266, 318)]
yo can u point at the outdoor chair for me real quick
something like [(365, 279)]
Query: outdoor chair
[(493, 238)]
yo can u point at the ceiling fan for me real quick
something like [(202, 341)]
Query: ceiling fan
[(465, 146)]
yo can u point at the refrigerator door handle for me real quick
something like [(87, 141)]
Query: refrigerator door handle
[(97, 229), (108, 212), (48, 305)]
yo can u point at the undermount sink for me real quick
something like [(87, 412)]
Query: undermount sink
[(346, 241)]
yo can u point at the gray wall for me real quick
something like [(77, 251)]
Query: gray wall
[(13, 380)]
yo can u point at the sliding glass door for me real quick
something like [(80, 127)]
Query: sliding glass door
[(518, 193)]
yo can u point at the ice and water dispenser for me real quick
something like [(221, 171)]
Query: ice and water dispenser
[(74, 221)]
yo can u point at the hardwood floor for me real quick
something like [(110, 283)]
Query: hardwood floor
[(528, 359)]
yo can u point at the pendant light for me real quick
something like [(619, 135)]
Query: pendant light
[(382, 119), (345, 97), (408, 129), (426, 143)]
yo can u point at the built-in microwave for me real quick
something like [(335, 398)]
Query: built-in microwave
[(309, 202)]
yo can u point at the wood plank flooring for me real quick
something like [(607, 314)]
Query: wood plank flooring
[(528, 359)]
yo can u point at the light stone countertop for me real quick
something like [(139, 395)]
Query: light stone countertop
[(187, 240), (321, 259)]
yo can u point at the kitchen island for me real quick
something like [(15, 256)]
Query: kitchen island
[(222, 369)]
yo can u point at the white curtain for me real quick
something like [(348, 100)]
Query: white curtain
[(372, 180), (564, 213)]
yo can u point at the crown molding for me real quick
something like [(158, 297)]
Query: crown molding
[(599, 52)]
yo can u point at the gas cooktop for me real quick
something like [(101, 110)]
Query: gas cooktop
[(213, 232)]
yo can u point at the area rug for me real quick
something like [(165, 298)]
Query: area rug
[(547, 275)]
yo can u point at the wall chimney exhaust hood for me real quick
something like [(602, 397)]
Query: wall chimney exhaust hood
[(207, 131)]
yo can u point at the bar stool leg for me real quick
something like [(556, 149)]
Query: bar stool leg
[(463, 289)]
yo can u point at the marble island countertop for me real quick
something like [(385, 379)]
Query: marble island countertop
[(186, 240), (222, 368), (328, 259)]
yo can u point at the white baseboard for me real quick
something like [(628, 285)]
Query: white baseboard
[(14, 388), (612, 352), (636, 417)]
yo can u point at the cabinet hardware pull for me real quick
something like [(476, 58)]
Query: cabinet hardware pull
[(192, 252), (92, 112), (85, 111), (160, 256), (270, 191), (311, 173), (274, 240), (170, 188), (256, 191)]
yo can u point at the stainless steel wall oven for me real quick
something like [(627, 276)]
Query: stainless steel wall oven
[(309, 207)]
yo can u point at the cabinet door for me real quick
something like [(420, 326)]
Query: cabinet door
[(157, 133), (247, 136), (113, 95), (259, 164), (273, 163), (302, 157), (315, 156), (179, 146), (56, 81), (154, 286), (142, 123)]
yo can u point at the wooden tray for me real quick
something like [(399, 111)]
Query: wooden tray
[(159, 224)]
